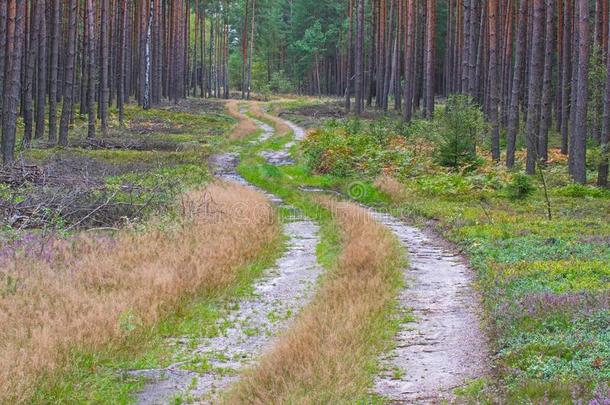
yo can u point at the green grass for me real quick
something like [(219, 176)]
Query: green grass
[(545, 283), (287, 182)]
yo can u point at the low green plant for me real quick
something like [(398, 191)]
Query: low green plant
[(460, 125), (520, 187)]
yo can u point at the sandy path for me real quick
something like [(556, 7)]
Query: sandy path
[(278, 297), (444, 348)]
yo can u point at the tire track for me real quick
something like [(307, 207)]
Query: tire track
[(284, 290), (444, 347)]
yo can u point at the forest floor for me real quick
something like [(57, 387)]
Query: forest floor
[(428, 286)]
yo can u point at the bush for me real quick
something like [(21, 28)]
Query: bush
[(460, 124), (354, 147), (444, 185), (580, 191), (520, 187), (280, 83)]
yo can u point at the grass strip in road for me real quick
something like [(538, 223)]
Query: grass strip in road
[(330, 354)]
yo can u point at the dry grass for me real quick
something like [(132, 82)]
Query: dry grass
[(281, 129), (245, 125), (327, 355), (392, 187), (80, 297)]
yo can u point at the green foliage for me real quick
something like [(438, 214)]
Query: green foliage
[(280, 83), (520, 187), (460, 125), (579, 191), (444, 185), (353, 147)]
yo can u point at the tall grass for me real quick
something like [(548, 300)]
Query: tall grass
[(87, 294), (245, 126), (329, 354), (280, 126)]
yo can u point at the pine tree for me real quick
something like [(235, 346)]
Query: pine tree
[(66, 112)]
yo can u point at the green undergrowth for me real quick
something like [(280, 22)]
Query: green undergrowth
[(545, 282), (102, 377), (135, 173)]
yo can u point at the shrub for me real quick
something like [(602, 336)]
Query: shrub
[(460, 125), (520, 187), (444, 185), (280, 83), (580, 191), (353, 147)]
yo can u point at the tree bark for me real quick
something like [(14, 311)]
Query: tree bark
[(602, 178), (566, 76), (53, 89), (409, 60), (547, 86), (90, 70), (429, 54), (359, 56), (579, 151), (66, 113), (3, 56), (535, 87), (30, 66), (14, 32), (493, 78), (513, 114), (348, 67)]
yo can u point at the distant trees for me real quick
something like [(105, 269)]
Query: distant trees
[(58, 53), (525, 62)]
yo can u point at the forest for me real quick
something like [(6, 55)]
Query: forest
[(305, 202)]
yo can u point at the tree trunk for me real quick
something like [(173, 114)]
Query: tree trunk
[(3, 62), (14, 33), (41, 85), (359, 56), (56, 27), (30, 65), (409, 60), (122, 53), (66, 112), (602, 178), (90, 70), (103, 100), (348, 67), (253, 28), (535, 87), (429, 57), (566, 76), (148, 58), (579, 151), (493, 78), (547, 86)]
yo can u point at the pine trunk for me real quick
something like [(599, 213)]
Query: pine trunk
[(12, 87), (602, 178), (535, 87), (53, 89), (66, 113), (547, 86), (579, 150), (429, 57), (494, 82)]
